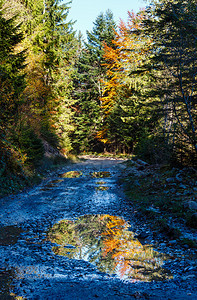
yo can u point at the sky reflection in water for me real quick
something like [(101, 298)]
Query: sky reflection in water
[(106, 242)]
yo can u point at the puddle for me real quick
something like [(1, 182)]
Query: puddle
[(102, 188), (51, 184), (71, 174), (56, 181), (106, 242), (100, 174), (9, 235), (100, 182), (47, 187)]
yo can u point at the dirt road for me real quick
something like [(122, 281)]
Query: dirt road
[(75, 237)]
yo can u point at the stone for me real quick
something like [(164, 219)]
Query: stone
[(179, 178), (192, 205), (170, 180), (182, 186), (142, 235), (173, 242), (141, 162), (189, 277), (136, 182)]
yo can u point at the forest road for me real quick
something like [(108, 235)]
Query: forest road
[(74, 236)]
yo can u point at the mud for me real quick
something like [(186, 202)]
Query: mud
[(38, 262)]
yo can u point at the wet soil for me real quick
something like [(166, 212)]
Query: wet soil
[(74, 236)]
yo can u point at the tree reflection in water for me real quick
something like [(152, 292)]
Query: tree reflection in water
[(106, 242)]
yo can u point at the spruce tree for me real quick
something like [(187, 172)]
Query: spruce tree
[(173, 27), (89, 83), (12, 81)]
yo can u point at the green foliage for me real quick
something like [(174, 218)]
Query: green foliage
[(35, 83), (89, 84), (173, 27), (29, 144), (11, 66), (154, 149)]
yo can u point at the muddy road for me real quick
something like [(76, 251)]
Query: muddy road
[(75, 236)]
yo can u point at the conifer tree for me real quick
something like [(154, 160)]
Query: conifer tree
[(89, 83), (11, 70), (123, 101), (173, 27), (51, 45), (12, 84)]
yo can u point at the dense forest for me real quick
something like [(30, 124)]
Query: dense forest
[(130, 88)]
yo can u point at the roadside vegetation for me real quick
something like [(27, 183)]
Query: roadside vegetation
[(164, 196)]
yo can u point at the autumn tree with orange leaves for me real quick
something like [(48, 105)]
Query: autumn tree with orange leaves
[(125, 87)]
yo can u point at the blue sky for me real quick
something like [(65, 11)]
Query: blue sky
[(86, 11)]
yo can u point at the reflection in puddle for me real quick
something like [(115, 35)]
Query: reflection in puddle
[(56, 181), (71, 174), (103, 174), (105, 241), (47, 187), (51, 184), (9, 235), (102, 188), (100, 182)]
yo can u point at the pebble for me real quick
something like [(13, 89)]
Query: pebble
[(188, 277), (172, 242)]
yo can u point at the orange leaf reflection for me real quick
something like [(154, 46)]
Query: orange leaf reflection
[(106, 242)]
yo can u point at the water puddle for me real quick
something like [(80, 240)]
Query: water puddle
[(101, 174), (71, 174), (100, 182), (51, 185), (56, 181), (101, 186), (106, 242), (9, 235)]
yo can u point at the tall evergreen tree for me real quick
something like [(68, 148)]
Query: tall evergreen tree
[(124, 104), (173, 27), (60, 52), (12, 84), (51, 45), (11, 70), (89, 83)]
